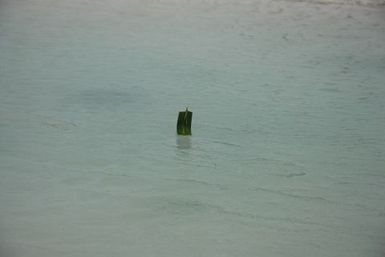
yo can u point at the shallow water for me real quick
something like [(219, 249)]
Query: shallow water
[(287, 152)]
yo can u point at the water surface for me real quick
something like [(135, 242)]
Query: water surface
[(287, 152)]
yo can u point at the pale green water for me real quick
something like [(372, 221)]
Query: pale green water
[(287, 152)]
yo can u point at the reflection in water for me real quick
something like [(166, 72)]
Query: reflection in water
[(183, 142)]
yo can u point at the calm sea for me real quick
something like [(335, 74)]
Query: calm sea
[(288, 145)]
